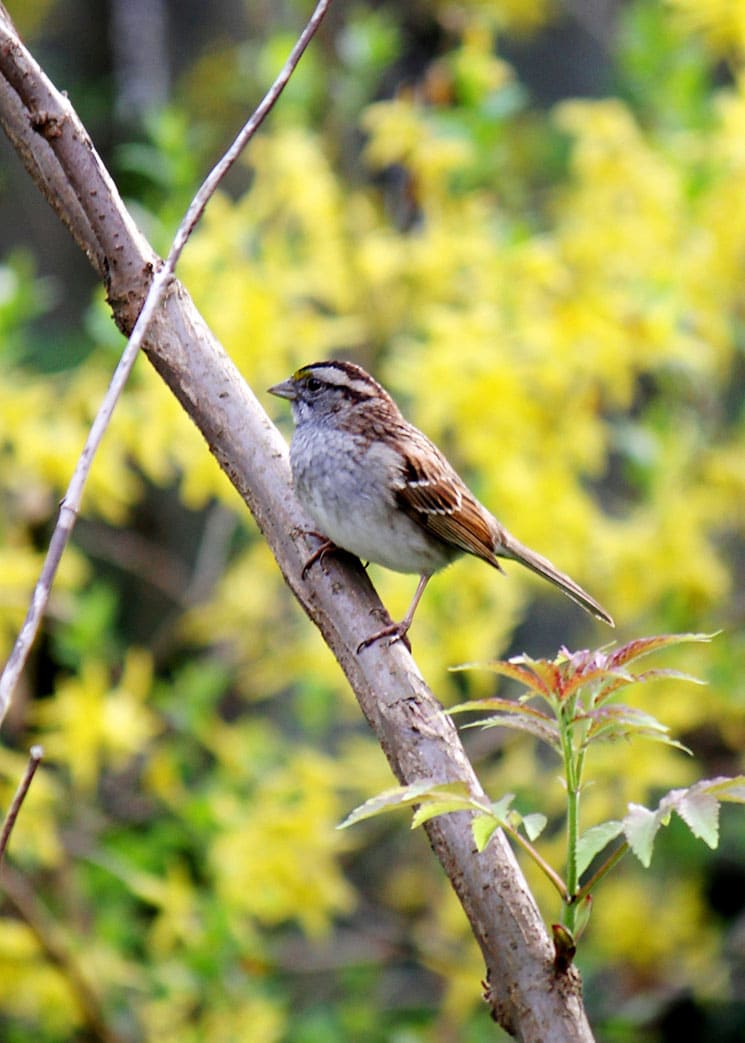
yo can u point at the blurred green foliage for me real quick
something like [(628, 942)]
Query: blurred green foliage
[(554, 294)]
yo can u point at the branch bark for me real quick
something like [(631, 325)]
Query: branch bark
[(524, 993), (162, 279)]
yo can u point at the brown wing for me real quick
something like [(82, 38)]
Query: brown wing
[(431, 493), (434, 496)]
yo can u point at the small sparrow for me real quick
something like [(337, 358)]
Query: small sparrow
[(377, 487)]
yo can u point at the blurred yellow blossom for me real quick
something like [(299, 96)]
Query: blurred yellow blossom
[(92, 722)]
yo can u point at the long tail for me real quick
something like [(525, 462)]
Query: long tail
[(509, 547)]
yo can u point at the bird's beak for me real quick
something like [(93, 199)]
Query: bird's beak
[(286, 389)]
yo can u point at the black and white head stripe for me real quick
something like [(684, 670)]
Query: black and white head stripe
[(346, 377)]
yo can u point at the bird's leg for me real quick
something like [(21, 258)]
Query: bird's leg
[(327, 547), (398, 631)]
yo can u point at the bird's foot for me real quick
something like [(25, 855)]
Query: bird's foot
[(327, 547), (394, 631)]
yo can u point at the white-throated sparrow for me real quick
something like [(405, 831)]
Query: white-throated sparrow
[(377, 487)]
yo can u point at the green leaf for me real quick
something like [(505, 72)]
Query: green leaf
[(499, 703), (502, 814), (500, 808), (513, 715), (534, 824), (729, 790), (640, 827), (625, 722), (545, 732), (700, 812), (484, 827), (594, 840), (622, 678), (697, 806), (621, 714), (675, 675), (403, 796), (618, 679), (433, 807), (663, 739)]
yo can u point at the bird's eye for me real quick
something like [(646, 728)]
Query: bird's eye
[(313, 384)]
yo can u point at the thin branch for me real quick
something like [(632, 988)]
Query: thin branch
[(73, 497), (137, 556), (35, 755), (598, 875), (212, 554), (58, 952), (539, 860), (39, 157)]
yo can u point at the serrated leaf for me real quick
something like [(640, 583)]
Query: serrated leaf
[(545, 732), (513, 670), (583, 678), (646, 645), (534, 824), (617, 681), (547, 671), (640, 827), (403, 796), (622, 678), (625, 722), (483, 828), (594, 840), (664, 740), (525, 718), (665, 673), (615, 733), (697, 806), (700, 812), (726, 789), (433, 807), (498, 703), (630, 716)]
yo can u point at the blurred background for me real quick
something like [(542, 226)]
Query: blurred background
[(526, 218)]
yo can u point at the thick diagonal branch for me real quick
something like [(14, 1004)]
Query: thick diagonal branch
[(50, 123), (524, 993)]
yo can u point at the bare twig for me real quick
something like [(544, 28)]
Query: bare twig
[(35, 755), (72, 499), (212, 554), (59, 953)]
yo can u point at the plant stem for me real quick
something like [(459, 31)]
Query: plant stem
[(542, 864), (598, 875), (573, 773)]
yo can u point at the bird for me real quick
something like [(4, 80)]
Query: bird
[(378, 488)]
